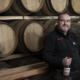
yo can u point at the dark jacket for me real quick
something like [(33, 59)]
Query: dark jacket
[(58, 46)]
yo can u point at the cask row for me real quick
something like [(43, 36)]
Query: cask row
[(30, 35), (25, 7), (54, 7)]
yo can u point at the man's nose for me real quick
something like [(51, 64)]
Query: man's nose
[(65, 22)]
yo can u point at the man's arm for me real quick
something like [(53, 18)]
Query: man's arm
[(49, 51)]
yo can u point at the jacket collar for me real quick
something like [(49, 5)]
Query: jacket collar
[(60, 32)]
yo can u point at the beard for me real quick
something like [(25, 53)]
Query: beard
[(62, 28)]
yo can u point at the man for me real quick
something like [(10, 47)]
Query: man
[(60, 44)]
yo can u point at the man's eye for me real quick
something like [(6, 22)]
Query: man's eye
[(65, 20), (62, 20)]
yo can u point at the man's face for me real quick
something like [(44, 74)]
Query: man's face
[(64, 22)]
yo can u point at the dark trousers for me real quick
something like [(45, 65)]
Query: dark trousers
[(58, 75)]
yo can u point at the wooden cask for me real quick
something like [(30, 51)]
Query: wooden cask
[(32, 5), (48, 23), (5, 5), (76, 27), (30, 35), (75, 20), (53, 7), (49, 30), (25, 7), (8, 39), (74, 7)]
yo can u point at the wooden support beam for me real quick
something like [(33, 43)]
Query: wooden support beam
[(21, 69), (11, 17), (13, 56), (18, 55), (25, 74), (74, 17), (32, 17), (47, 17), (40, 17)]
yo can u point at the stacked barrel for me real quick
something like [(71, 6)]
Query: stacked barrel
[(27, 36), (41, 7)]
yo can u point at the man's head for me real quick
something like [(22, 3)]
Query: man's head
[(64, 22)]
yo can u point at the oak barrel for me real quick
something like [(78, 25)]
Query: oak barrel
[(5, 5), (8, 39), (48, 23), (53, 7), (75, 20), (74, 7), (76, 27), (25, 7), (30, 35), (49, 30)]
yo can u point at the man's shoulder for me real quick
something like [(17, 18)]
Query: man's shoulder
[(73, 33), (74, 36)]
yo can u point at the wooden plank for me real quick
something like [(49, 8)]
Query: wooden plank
[(25, 74), (74, 17), (13, 56), (22, 69), (47, 17), (40, 17), (18, 55), (32, 17), (11, 17)]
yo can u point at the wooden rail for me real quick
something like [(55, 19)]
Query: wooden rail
[(31, 17), (13, 56), (19, 55), (24, 71)]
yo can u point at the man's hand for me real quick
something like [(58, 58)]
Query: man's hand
[(66, 62)]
